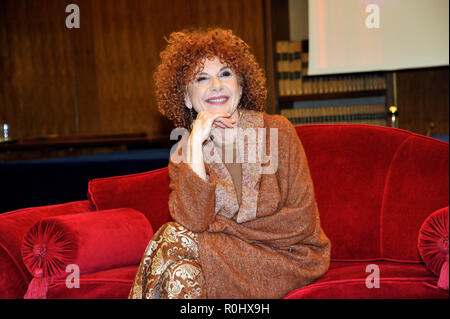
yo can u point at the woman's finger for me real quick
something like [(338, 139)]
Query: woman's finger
[(205, 121), (225, 121), (215, 116), (218, 124)]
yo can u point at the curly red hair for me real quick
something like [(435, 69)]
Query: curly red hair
[(183, 57)]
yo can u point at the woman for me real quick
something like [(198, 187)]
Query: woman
[(245, 226)]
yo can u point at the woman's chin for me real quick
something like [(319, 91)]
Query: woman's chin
[(225, 108), (218, 109)]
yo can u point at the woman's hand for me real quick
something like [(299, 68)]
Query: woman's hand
[(201, 130), (206, 121)]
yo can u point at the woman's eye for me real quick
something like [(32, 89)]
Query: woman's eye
[(226, 73), (200, 79)]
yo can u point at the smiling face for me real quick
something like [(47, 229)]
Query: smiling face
[(215, 88)]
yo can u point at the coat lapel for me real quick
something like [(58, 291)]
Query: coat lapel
[(226, 199), (249, 145)]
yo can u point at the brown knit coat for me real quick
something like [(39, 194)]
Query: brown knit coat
[(273, 242)]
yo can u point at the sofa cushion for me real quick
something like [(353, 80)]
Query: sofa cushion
[(397, 280), (146, 192), (92, 241), (433, 245)]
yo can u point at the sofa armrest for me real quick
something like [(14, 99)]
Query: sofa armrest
[(13, 226)]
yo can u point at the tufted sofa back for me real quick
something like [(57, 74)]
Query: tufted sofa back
[(374, 187)]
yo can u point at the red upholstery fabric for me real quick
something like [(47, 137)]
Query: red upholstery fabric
[(349, 174), (347, 280), (107, 284), (417, 186), (433, 245), (366, 183), (14, 277), (146, 192), (443, 281), (118, 239), (12, 282)]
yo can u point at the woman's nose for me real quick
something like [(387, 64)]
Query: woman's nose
[(216, 83)]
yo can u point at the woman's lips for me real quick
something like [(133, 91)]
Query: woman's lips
[(218, 100)]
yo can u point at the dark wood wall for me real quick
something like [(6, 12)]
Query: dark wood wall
[(422, 99), (37, 76), (98, 79)]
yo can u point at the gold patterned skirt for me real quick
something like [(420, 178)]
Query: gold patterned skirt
[(170, 267)]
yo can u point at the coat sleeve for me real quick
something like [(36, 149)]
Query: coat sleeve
[(191, 201)]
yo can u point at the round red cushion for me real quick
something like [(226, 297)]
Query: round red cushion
[(93, 241), (433, 240)]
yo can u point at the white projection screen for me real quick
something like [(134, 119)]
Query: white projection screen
[(390, 35)]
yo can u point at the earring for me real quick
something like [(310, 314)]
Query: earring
[(240, 112)]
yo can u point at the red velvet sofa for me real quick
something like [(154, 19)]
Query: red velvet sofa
[(375, 187)]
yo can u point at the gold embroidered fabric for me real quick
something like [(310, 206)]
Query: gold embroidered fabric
[(170, 267)]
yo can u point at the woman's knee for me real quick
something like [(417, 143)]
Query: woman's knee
[(184, 279)]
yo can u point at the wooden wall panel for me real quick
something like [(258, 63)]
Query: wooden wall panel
[(98, 79), (277, 29), (422, 97), (37, 92), (127, 39)]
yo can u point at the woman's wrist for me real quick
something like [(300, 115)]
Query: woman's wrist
[(195, 138), (195, 156)]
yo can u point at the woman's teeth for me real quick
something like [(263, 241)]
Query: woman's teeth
[(218, 100)]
